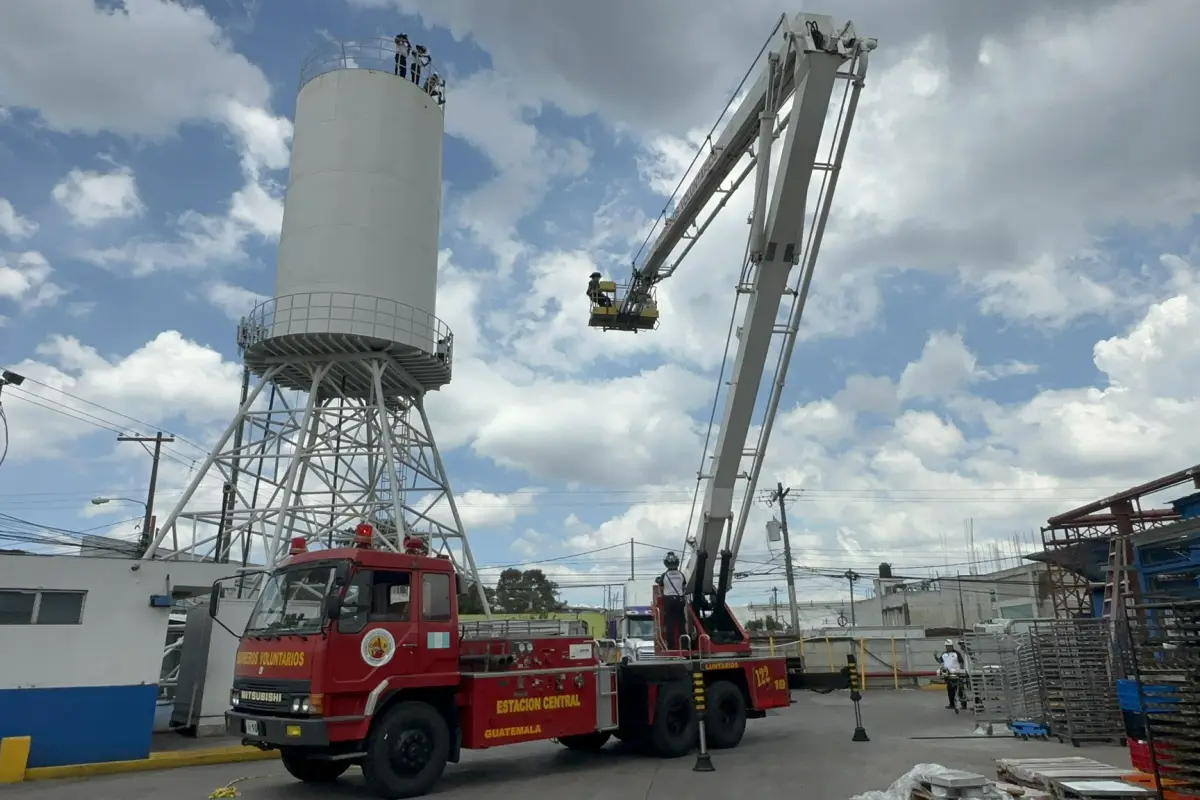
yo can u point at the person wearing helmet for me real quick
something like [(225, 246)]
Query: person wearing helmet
[(673, 584), (953, 668), (420, 61), (594, 294), (403, 50)]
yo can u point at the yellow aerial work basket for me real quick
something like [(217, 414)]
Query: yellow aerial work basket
[(612, 309)]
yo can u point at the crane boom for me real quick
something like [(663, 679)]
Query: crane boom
[(803, 68), (806, 68)]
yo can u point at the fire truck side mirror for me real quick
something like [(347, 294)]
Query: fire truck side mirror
[(459, 587), (214, 600), (333, 606)]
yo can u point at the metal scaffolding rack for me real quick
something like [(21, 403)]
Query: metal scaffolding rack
[(1164, 638), (992, 665), (1078, 689)]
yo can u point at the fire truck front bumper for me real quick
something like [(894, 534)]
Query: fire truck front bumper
[(268, 732)]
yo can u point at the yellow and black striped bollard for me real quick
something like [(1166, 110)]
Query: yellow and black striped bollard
[(700, 703)]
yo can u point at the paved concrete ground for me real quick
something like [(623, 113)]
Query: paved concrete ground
[(804, 751)]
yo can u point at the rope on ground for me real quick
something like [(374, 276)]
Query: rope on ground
[(229, 790)]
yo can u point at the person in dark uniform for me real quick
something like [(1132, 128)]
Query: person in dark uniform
[(420, 60), (403, 49), (594, 294)]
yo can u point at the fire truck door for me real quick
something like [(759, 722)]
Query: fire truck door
[(438, 630), (377, 630)]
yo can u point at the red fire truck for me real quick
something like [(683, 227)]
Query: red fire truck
[(355, 655)]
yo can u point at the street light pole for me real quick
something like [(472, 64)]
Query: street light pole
[(148, 535)]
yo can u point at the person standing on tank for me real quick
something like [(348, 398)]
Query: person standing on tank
[(403, 50), (420, 60)]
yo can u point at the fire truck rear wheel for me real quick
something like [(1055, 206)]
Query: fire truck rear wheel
[(725, 720), (303, 767), (673, 732), (406, 751), (585, 741)]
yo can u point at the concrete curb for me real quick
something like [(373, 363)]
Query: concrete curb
[(173, 759)]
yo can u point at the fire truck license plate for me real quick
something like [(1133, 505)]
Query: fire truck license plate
[(252, 727)]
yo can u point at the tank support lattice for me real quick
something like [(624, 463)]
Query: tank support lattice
[(316, 470)]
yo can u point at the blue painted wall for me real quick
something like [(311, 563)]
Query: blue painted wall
[(80, 725)]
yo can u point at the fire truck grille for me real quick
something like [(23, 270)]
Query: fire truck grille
[(271, 697)]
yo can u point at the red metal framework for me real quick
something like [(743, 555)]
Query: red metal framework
[(1076, 542)]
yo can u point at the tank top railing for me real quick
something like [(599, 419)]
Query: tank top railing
[(379, 54)]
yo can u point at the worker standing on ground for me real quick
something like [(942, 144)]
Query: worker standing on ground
[(954, 671), (673, 584)]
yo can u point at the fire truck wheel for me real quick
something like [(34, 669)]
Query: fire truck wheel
[(725, 720), (406, 751), (303, 767), (673, 732), (585, 741)]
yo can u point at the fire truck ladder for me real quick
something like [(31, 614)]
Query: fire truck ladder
[(804, 69)]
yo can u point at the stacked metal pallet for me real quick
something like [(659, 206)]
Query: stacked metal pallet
[(1027, 703), (992, 665), (1165, 639), (1078, 691)]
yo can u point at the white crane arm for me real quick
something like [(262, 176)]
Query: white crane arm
[(807, 66)]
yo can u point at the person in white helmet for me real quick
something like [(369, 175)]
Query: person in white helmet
[(953, 670), (673, 584)]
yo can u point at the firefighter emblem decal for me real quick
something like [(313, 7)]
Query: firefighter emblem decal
[(378, 647)]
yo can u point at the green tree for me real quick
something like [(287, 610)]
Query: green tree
[(469, 603), (526, 592), (754, 625)]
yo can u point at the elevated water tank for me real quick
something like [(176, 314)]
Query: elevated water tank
[(358, 253)]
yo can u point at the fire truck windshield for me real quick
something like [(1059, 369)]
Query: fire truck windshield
[(293, 600)]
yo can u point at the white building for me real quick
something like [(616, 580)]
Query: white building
[(81, 650)]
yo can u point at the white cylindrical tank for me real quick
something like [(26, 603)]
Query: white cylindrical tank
[(358, 252)]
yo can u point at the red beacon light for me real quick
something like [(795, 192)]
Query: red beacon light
[(363, 534), (415, 546), (298, 545)]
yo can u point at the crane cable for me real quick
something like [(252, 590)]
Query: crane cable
[(4, 421), (799, 295), (707, 140), (730, 333)]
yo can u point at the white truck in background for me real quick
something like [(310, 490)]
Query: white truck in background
[(635, 628)]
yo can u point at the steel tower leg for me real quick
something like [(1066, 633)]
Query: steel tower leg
[(323, 465)]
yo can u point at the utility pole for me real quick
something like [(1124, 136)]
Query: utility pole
[(780, 496), (631, 571), (158, 439), (851, 576)]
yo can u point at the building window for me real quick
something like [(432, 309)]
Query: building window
[(435, 597), (36, 607)]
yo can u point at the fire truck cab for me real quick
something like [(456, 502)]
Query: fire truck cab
[(355, 656)]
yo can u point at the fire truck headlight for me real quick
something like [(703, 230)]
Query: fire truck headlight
[(300, 705), (233, 697)]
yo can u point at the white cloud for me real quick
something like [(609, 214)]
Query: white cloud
[(483, 511), (13, 225), (168, 379), (233, 301), (25, 280), (491, 112), (140, 68), (92, 198), (253, 211)]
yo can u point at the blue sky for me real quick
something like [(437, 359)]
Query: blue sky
[(1004, 312)]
